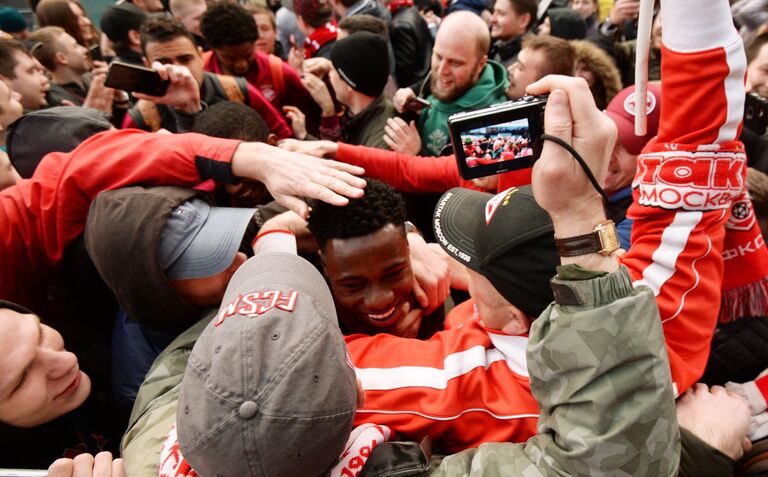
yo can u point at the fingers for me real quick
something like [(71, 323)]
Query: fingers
[(350, 169), (295, 204), (421, 296), (83, 465), (61, 468), (577, 91), (102, 465)]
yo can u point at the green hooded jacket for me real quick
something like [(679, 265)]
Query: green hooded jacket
[(433, 122)]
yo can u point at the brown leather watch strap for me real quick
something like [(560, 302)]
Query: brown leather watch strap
[(578, 245)]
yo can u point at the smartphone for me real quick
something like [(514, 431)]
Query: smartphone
[(416, 104), (135, 78)]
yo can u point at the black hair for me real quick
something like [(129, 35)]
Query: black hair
[(225, 24), (8, 59), (162, 29), (230, 120), (365, 22), (381, 205)]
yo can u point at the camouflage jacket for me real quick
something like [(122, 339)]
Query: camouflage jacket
[(598, 369)]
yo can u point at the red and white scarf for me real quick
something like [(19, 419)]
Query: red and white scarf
[(318, 38), (361, 442)]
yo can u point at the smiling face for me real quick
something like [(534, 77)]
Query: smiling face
[(39, 379), (528, 69), (86, 28), (456, 62), (371, 278)]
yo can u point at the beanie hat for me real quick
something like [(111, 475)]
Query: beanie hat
[(507, 238), (11, 20), (118, 20), (567, 24), (269, 388), (361, 60), (621, 110)]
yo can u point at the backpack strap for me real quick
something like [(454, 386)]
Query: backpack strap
[(276, 70), (231, 88), (149, 114)]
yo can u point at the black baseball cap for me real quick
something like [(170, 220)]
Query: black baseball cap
[(506, 237)]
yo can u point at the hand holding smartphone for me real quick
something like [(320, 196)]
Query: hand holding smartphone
[(135, 78)]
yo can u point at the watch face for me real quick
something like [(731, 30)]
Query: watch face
[(609, 240)]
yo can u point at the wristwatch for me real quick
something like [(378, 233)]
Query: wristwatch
[(603, 240)]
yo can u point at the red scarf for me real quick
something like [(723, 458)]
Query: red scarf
[(745, 257), (398, 4), (318, 38)]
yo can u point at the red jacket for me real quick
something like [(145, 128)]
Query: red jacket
[(283, 91), (418, 174), (468, 385), (42, 215)]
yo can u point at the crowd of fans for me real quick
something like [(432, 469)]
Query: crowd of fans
[(276, 267)]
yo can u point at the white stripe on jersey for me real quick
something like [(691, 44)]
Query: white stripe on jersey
[(507, 348), (734, 90), (673, 242)]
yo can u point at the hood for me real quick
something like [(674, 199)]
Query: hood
[(489, 89), (122, 236)]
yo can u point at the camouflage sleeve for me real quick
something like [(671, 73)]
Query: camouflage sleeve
[(599, 370), (154, 412)]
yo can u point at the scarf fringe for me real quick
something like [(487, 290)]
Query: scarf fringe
[(746, 301)]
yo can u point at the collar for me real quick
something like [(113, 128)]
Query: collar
[(356, 8)]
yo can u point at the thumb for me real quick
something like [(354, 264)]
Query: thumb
[(557, 116)]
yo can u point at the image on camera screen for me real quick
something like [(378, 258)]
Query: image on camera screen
[(497, 143)]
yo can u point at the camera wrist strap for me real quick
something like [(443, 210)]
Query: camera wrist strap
[(579, 159)]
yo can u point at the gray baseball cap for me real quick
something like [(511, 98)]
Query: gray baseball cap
[(269, 388), (199, 240)]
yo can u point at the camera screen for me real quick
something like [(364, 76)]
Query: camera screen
[(497, 143)]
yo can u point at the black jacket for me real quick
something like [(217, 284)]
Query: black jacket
[(412, 43)]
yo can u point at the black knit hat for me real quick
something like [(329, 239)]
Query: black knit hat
[(362, 61), (507, 238)]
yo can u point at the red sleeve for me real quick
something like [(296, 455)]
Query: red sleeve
[(403, 172), (461, 387), (688, 177), (42, 215), (275, 120)]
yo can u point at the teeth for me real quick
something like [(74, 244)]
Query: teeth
[(382, 315)]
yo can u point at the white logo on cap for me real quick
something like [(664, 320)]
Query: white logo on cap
[(630, 104), (494, 202)]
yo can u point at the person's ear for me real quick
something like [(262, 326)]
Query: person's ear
[(272, 139), (524, 19), (60, 58), (200, 51), (134, 37)]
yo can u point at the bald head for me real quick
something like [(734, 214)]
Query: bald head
[(466, 27)]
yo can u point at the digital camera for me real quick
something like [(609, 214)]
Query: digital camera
[(500, 138)]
